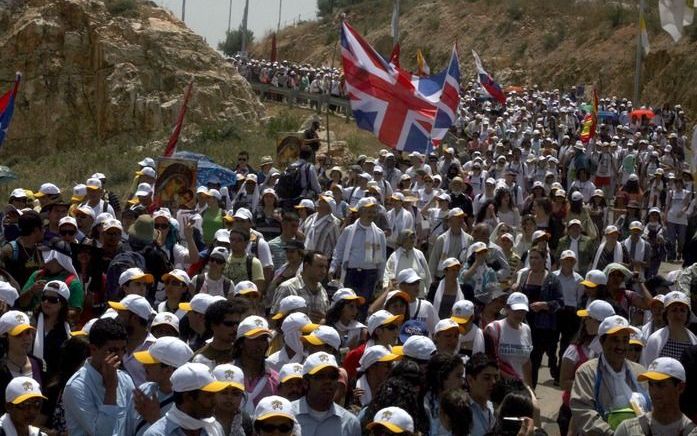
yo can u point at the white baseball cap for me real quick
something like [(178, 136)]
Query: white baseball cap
[(143, 190), (518, 301), (538, 234), (229, 374), (147, 171), (195, 377), (166, 318), (446, 324), (366, 202), (59, 287), (613, 324), (110, 223), (346, 294), (147, 162), (85, 210), (611, 229), (135, 274), (574, 222), (20, 389), (636, 225), (179, 275), (47, 189), (408, 276), (455, 212), (220, 252), (375, 354), (245, 287), (168, 350), (288, 304), (417, 347), (18, 193), (290, 371), (676, 297), (598, 310), (663, 368), (380, 318), (462, 311), (594, 278), (394, 419), (567, 254), (576, 196), (398, 196), (244, 214), (14, 322), (8, 293), (200, 302), (273, 406), (252, 327), (397, 294), (306, 204), (67, 220), (316, 362), (222, 235), (449, 262), (478, 247), (93, 183), (136, 304), (323, 335), (298, 321), (85, 330)]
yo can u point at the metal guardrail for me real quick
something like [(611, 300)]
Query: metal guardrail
[(294, 97)]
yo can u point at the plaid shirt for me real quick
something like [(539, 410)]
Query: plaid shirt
[(318, 301)]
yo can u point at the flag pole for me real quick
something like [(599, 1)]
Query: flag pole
[(395, 23), (637, 72), (280, 7), (229, 17), (244, 29), (184, 10)]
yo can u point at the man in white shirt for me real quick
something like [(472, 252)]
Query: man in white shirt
[(567, 320), (420, 309)]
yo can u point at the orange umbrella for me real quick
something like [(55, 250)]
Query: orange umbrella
[(640, 113)]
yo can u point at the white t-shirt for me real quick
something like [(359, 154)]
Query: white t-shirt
[(473, 340), (514, 345), (427, 314), (572, 354), (213, 287)]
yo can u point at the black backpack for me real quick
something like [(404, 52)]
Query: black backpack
[(290, 184), (119, 264)]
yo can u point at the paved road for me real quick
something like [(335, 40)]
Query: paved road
[(549, 396)]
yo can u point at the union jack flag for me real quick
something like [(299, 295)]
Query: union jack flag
[(488, 82), (7, 105), (448, 99), (396, 106)]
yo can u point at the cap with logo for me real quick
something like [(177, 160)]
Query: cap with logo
[(14, 323), (613, 325), (20, 389), (195, 377), (323, 335), (676, 297), (393, 419), (219, 253), (375, 354), (567, 254), (462, 311), (318, 361), (273, 406), (598, 310), (446, 324), (664, 368), (168, 350), (298, 322), (229, 374), (412, 327), (166, 318), (135, 274), (381, 318), (416, 347), (200, 302), (518, 301), (290, 371), (246, 287), (178, 275), (346, 294), (252, 327)]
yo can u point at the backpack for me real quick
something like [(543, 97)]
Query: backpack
[(119, 264), (290, 184), (201, 278)]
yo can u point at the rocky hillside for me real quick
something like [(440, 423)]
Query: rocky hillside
[(552, 43), (109, 72)]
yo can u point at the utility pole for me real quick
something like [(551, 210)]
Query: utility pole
[(229, 17), (184, 10), (244, 29), (639, 55)]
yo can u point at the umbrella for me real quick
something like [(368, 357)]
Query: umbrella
[(207, 169), (6, 174), (607, 115), (639, 113)]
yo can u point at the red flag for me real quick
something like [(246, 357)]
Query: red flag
[(273, 47), (174, 138), (590, 121), (394, 56)]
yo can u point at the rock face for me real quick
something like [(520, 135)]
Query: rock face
[(94, 74)]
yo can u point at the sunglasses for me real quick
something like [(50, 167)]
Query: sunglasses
[(216, 260), (50, 299), (242, 159), (67, 232), (270, 428), (162, 226)]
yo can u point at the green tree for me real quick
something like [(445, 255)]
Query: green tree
[(233, 42)]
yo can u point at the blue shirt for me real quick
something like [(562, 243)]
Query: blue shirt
[(357, 251), (134, 424), (483, 420), (338, 422), (83, 400)]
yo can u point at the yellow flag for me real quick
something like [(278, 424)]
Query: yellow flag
[(422, 66), (644, 36)]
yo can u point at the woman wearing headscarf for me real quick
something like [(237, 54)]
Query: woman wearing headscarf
[(407, 256), (248, 195)]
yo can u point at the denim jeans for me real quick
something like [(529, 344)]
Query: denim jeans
[(676, 233), (362, 281)]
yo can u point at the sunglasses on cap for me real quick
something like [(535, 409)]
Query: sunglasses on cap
[(270, 428), (50, 299)]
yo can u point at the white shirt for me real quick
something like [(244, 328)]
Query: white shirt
[(570, 287), (426, 313)]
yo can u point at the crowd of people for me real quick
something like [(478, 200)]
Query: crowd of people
[(404, 294)]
